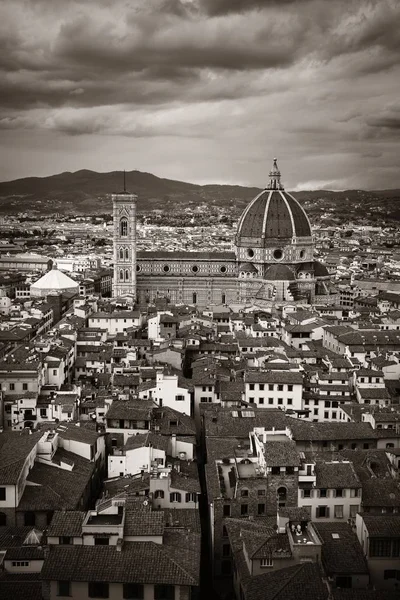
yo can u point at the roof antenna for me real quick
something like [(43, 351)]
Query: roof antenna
[(124, 182)]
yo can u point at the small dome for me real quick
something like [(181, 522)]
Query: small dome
[(53, 281), (279, 273), (273, 215), (320, 269), (247, 268)]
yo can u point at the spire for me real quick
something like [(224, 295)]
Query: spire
[(124, 182), (275, 178)]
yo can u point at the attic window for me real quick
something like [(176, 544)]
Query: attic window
[(173, 423), (335, 536), (248, 413)]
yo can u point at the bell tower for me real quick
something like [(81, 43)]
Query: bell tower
[(124, 243)]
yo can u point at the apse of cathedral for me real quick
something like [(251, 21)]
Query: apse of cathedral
[(272, 262)]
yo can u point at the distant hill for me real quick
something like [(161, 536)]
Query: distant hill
[(88, 192)]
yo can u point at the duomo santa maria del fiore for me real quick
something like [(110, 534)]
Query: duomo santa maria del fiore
[(272, 262)]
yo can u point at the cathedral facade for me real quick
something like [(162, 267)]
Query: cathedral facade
[(273, 258)]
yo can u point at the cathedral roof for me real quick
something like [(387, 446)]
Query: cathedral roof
[(247, 268), (320, 269), (279, 273), (274, 214)]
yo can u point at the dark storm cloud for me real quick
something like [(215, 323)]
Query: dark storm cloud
[(224, 7), (388, 119), (180, 45)]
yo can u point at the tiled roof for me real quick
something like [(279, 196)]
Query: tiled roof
[(77, 434), (336, 475), (14, 449), (368, 373), (126, 486), (188, 256), (364, 460), (14, 537), (143, 523), (281, 453), (300, 582), (131, 409), (220, 423), (273, 377), (304, 430), (270, 543), (66, 523), (165, 416), (23, 587), (146, 439), (125, 379), (378, 492), (183, 547), (181, 481), (57, 488), (137, 562), (25, 553), (343, 554), (374, 393), (182, 518), (382, 525)]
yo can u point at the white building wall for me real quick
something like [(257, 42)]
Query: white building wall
[(134, 461), (264, 397), (330, 501), (166, 393)]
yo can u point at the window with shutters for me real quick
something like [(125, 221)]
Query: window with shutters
[(338, 511), (164, 592), (322, 512), (63, 588), (175, 497), (133, 591), (266, 562), (98, 589)]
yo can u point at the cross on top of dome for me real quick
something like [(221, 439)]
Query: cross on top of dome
[(275, 178)]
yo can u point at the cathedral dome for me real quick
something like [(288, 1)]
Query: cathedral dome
[(279, 273), (273, 216)]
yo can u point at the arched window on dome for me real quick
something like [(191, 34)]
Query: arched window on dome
[(121, 275), (126, 254), (123, 227), (126, 275), (121, 254)]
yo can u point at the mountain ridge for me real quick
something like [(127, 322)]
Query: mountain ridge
[(88, 192)]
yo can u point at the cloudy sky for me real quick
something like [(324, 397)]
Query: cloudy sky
[(203, 90)]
